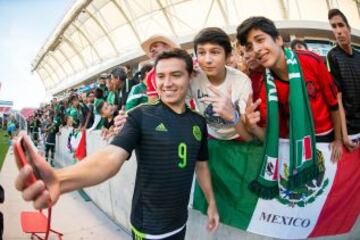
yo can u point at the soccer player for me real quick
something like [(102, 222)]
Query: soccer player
[(344, 63), (170, 142), (153, 46)]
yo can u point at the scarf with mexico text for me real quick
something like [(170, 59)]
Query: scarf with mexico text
[(302, 165)]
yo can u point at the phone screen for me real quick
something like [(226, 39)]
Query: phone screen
[(27, 156)]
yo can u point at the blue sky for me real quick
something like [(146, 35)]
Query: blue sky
[(24, 27)]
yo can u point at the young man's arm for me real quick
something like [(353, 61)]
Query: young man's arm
[(349, 144), (204, 180), (336, 145), (92, 170)]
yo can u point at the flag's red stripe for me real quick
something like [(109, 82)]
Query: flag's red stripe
[(342, 206), (80, 152), (307, 148)]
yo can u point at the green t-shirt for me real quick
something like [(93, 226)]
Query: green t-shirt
[(136, 96), (97, 101), (111, 98), (73, 112)]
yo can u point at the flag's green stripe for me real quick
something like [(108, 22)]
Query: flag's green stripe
[(233, 165)]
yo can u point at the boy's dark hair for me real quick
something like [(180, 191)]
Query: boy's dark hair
[(99, 106), (90, 92), (179, 54), (296, 42), (260, 23), (145, 69), (119, 73), (99, 93), (72, 98), (336, 12), (213, 35)]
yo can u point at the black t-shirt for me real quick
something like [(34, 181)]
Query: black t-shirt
[(345, 70), (124, 92), (167, 145), (52, 129)]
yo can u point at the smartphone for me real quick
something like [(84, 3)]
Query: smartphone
[(22, 158)]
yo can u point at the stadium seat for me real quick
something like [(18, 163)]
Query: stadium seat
[(35, 223)]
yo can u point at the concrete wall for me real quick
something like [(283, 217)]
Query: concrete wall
[(114, 196)]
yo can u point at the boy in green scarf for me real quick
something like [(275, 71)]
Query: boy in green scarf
[(260, 35)]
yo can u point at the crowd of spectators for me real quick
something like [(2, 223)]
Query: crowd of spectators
[(93, 109)]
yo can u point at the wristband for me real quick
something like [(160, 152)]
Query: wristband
[(236, 120)]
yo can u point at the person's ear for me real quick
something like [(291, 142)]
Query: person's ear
[(279, 41)]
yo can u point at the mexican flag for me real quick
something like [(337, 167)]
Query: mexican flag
[(328, 205)]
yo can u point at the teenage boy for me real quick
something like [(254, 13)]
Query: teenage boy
[(314, 88), (170, 142), (220, 93), (344, 64), (255, 72)]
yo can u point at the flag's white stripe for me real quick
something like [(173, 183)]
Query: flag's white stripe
[(279, 212)]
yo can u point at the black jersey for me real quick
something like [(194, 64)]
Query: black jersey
[(345, 69), (167, 145)]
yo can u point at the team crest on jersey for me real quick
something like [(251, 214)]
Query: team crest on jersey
[(197, 133), (306, 193)]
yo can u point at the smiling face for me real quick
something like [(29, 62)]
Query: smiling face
[(156, 48), (268, 51), (212, 59), (341, 31), (172, 81), (250, 60)]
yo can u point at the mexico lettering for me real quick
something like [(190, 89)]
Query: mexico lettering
[(285, 220)]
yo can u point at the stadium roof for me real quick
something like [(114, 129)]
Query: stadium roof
[(96, 35)]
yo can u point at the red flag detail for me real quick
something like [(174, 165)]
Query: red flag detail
[(80, 152)]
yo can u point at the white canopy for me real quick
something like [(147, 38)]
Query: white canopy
[(96, 35)]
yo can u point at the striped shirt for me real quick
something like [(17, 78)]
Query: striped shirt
[(136, 96), (167, 146), (345, 69)]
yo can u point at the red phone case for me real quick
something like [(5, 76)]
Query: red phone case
[(21, 159)]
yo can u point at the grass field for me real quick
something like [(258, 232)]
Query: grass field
[(4, 145)]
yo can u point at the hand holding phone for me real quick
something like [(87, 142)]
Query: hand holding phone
[(38, 183), (22, 157)]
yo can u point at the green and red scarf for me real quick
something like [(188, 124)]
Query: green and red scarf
[(302, 165)]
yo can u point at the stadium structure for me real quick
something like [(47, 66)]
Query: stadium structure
[(96, 35)]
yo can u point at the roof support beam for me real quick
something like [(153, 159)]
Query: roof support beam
[(122, 12), (68, 42), (88, 40), (167, 17), (67, 59), (208, 13), (102, 29), (284, 9), (51, 55), (61, 32), (50, 76), (223, 12), (46, 63)]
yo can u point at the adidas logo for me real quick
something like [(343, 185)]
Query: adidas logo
[(161, 128)]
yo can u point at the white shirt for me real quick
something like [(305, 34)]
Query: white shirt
[(240, 90)]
